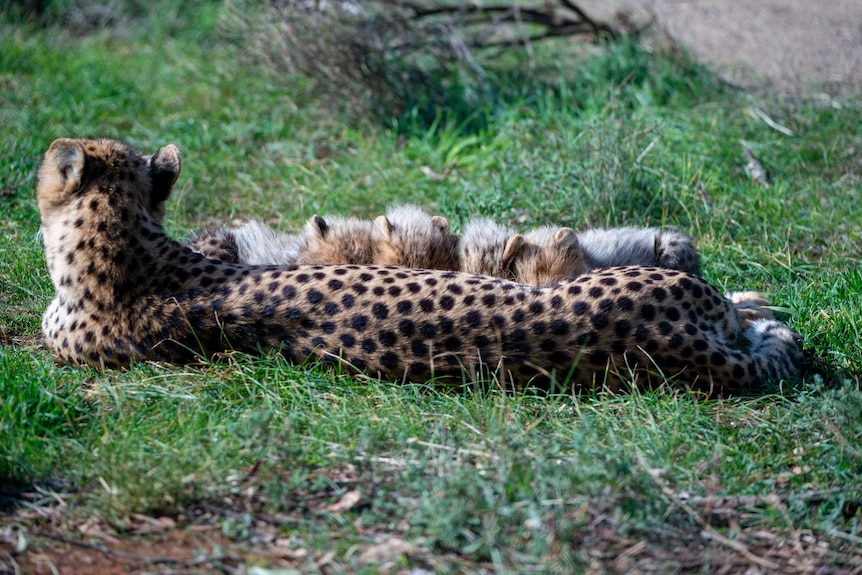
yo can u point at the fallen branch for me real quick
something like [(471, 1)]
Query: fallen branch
[(559, 23), (755, 169), (138, 558), (376, 56), (708, 530)]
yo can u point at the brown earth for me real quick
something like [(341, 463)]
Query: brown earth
[(795, 47)]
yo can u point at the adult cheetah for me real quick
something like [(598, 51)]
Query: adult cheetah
[(125, 291)]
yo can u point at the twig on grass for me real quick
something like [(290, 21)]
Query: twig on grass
[(758, 113), (136, 557), (755, 169), (737, 546)]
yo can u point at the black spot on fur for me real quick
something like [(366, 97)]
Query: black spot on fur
[(359, 322), (380, 311), (313, 296), (648, 311), (559, 327), (404, 307), (387, 338), (406, 327), (599, 320)]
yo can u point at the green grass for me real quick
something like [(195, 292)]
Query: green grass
[(475, 479)]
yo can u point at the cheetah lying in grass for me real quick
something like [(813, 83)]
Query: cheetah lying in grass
[(125, 292)]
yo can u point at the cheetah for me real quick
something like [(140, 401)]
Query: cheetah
[(250, 242), (548, 256), (541, 257), (125, 291), (336, 241), (407, 236), (607, 247), (257, 244), (418, 240), (488, 248), (217, 243)]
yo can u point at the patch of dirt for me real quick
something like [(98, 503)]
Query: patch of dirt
[(795, 47), (178, 551), (698, 534), (9, 338)]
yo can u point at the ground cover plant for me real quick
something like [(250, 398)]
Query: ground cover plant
[(249, 464)]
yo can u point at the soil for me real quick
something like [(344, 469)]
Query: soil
[(792, 47)]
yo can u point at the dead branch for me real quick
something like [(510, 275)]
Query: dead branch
[(379, 54), (138, 558)]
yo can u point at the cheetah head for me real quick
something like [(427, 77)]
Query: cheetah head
[(110, 173), (93, 194), (407, 236), (336, 241), (488, 248)]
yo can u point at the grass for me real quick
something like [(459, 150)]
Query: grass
[(474, 480)]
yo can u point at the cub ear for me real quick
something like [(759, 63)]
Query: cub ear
[(514, 246), (566, 238), (317, 227), (440, 223), (381, 230), (164, 170), (69, 159)]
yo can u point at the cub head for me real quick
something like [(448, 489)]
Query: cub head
[(548, 255), (488, 248), (407, 236), (336, 241)]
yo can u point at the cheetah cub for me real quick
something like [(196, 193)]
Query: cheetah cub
[(607, 247), (126, 292), (336, 241), (217, 243), (542, 257), (488, 248), (407, 236), (548, 256), (250, 242)]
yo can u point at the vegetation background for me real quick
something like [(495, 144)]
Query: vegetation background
[(253, 465)]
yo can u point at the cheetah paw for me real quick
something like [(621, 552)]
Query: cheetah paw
[(777, 348), (750, 306)]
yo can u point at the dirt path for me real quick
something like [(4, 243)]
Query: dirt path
[(796, 47)]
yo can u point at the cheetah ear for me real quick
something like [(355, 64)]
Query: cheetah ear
[(514, 246), (317, 226), (567, 239), (440, 223), (164, 170), (68, 157), (381, 230)]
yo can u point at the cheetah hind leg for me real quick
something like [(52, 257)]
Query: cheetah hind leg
[(750, 306), (776, 348)]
